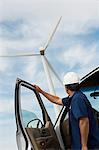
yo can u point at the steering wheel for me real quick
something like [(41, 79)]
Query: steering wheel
[(38, 123)]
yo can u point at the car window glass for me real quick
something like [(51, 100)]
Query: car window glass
[(92, 97), (31, 111)]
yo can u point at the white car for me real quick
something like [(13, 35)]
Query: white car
[(35, 130)]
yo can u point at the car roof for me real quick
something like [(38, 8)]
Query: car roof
[(91, 79)]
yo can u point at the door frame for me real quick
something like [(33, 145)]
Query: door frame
[(19, 123)]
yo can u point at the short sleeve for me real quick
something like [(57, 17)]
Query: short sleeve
[(79, 108), (66, 101)]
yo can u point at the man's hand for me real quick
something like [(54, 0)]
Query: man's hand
[(37, 88), (50, 97)]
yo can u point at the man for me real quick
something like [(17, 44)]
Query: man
[(83, 126)]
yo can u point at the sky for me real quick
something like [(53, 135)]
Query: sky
[(25, 26)]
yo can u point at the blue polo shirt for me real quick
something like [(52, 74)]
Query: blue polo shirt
[(81, 107)]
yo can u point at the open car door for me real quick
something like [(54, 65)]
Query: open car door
[(35, 130)]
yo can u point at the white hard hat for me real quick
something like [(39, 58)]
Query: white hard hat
[(71, 78)]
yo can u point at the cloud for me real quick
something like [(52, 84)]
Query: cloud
[(22, 36), (21, 33), (79, 57), (19, 8), (3, 63), (19, 29), (6, 105), (75, 13), (31, 69)]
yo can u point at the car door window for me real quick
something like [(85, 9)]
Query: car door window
[(31, 111)]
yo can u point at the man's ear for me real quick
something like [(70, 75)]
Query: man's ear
[(66, 88)]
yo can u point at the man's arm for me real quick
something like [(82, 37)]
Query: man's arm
[(52, 98), (84, 131)]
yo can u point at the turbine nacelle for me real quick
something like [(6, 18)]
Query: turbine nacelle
[(42, 50)]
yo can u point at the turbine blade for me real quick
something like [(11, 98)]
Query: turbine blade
[(56, 75), (20, 55), (52, 34)]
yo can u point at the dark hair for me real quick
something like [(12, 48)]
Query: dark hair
[(73, 87)]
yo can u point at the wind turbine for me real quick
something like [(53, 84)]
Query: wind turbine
[(47, 66)]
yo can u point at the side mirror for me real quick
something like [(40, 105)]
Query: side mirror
[(94, 94)]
